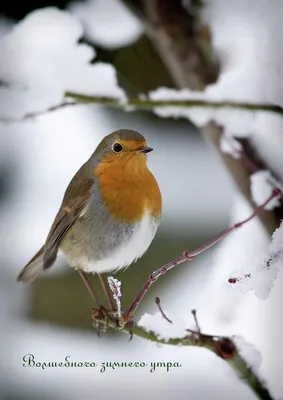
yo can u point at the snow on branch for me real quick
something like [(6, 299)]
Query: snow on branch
[(257, 277), (170, 106), (162, 328), (115, 286), (176, 328), (41, 59), (241, 356), (229, 145), (96, 18), (190, 255), (262, 276)]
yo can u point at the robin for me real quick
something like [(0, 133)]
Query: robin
[(109, 214)]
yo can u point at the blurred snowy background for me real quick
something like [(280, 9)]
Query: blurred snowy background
[(41, 60)]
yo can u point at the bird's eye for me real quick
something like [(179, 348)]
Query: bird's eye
[(117, 147)]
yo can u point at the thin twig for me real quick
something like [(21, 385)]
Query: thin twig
[(194, 312), (73, 99), (149, 104), (223, 347), (158, 303), (190, 255)]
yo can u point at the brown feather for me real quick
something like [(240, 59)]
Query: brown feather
[(73, 202), (126, 186), (33, 267)]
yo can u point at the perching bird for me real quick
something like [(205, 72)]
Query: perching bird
[(110, 211)]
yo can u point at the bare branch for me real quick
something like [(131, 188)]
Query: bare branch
[(194, 312), (158, 303)]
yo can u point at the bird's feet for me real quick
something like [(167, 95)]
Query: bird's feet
[(100, 319), (103, 318), (124, 321)]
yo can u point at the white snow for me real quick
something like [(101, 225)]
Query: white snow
[(107, 23), (277, 240), (261, 268), (115, 286), (238, 256), (246, 37), (229, 145), (248, 352), (233, 119), (41, 60), (253, 358), (247, 268), (162, 328), (51, 344), (267, 270)]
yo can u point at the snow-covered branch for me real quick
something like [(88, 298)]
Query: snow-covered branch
[(150, 104), (169, 330), (143, 103), (242, 357), (234, 91)]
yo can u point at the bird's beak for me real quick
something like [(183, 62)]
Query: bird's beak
[(144, 149)]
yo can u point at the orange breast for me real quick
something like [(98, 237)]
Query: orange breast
[(128, 188)]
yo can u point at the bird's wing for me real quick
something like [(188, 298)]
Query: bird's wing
[(74, 201)]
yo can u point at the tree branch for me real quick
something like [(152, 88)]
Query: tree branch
[(147, 104), (190, 255), (223, 347), (181, 38), (133, 103), (240, 173), (166, 27)]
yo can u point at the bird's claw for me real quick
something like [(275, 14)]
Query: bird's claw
[(101, 319), (131, 324), (123, 321)]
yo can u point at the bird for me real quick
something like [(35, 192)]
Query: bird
[(109, 214)]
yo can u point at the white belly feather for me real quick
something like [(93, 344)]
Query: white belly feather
[(129, 251)]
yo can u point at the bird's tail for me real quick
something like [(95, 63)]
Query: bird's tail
[(33, 268)]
